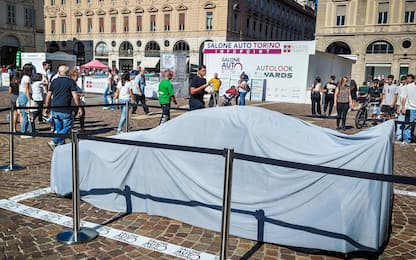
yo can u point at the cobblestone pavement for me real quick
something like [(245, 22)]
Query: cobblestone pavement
[(24, 237)]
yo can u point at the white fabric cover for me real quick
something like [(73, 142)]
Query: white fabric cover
[(311, 205)]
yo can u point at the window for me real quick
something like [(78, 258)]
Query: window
[(139, 23), (340, 19), (52, 2), (380, 47), (181, 46), (89, 24), (52, 26), (409, 14), (152, 49), (78, 30), (101, 24), (166, 23), (63, 26), (153, 23), (63, 2), (181, 22), (78, 2), (235, 23), (11, 14), (209, 21), (113, 24), (126, 49), (101, 49), (125, 23), (383, 11), (29, 17), (254, 27)]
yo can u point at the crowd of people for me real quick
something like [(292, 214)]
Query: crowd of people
[(35, 89), (389, 99), (32, 89)]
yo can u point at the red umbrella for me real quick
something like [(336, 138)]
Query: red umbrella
[(94, 64)]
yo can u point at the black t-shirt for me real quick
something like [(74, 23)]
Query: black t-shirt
[(196, 83), (330, 87), (374, 93), (61, 89), (15, 88)]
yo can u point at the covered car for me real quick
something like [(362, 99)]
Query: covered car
[(269, 203)]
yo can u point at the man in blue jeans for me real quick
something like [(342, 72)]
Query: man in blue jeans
[(408, 96), (63, 89)]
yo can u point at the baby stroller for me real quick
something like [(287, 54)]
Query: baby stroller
[(229, 95)]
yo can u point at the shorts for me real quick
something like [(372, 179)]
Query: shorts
[(376, 110), (386, 109), (13, 99)]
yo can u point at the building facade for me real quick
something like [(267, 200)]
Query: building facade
[(127, 33), (21, 29), (379, 34)]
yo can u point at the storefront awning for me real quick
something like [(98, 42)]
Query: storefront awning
[(149, 62)]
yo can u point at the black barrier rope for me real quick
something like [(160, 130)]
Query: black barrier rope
[(396, 122), (96, 105), (328, 170), (80, 106), (2, 109), (257, 159), (51, 135), (153, 145), (171, 108)]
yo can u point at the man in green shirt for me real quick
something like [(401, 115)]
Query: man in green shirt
[(166, 95)]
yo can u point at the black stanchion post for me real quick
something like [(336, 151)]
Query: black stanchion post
[(76, 234), (226, 202), (11, 166), (127, 116)]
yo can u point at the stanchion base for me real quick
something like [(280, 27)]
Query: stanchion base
[(15, 167), (84, 235)]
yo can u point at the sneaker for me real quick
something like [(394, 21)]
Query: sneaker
[(26, 136), (119, 131), (338, 128), (404, 144), (106, 108), (52, 145)]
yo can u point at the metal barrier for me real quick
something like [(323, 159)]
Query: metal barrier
[(11, 166), (230, 156), (226, 202), (77, 234), (80, 235)]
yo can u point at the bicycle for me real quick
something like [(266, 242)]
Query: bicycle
[(362, 114)]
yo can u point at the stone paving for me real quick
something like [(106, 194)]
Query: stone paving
[(23, 237)]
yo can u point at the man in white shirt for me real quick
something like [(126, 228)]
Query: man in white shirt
[(408, 96), (389, 98)]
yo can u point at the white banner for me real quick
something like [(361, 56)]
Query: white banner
[(5, 79), (283, 66)]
